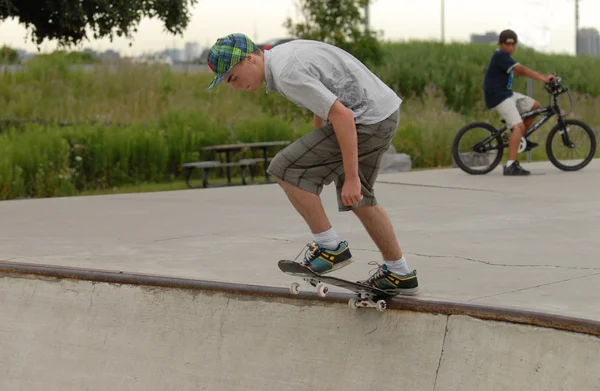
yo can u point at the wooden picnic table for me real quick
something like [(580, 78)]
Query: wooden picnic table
[(229, 148)]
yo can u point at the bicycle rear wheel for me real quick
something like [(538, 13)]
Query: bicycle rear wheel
[(477, 148), (579, 137)]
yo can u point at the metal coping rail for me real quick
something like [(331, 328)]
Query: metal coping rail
[(484, 312)]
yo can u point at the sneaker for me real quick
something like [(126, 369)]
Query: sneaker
[(515, 169), (322, 261), (390, 282)]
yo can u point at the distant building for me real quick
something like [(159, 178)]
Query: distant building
[(192, 51), (489, 37), (177, 55), (110, 55), (154, 58), (589, 42)]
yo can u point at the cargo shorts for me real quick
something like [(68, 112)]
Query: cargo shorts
[(511, 108), (315, 159)]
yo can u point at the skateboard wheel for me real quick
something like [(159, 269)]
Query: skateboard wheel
[(381, 305), (322, 290), (353, 303), (295, 288)]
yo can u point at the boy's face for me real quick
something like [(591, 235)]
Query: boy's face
[(508, 47), (246, 75)]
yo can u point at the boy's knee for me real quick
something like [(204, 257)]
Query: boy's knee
[(536, 105), (276, 166), (519, 128)]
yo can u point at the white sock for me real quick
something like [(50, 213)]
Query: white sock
[(328, 239), (399, 267), (508, 163)]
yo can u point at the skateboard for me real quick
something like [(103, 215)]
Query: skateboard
[(367, 296)]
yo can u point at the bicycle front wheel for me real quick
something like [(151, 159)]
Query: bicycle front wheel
[(572, 147), (477, 148)]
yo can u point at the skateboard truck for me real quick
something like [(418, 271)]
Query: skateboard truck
[(322, 289), (364, 299)]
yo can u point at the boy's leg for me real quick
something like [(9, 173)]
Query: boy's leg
[(524, 104), (308, 205), (380, 229), (509, 111), (302, 169), (515, 140), (533, 105), (394, 274), (374, 141)]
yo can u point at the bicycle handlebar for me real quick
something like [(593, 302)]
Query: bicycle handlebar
[(555, 88)]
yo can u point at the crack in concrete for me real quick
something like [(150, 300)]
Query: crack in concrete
[(534, 287), (180, 237), (270, 238), (372, 331), (437, 371), (441, 187), (504, 264), (222, 324), (92, 296), (468, 259)]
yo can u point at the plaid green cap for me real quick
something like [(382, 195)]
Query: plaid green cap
[(227, 52)]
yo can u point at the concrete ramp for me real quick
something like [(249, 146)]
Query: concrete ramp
[(73, 329)]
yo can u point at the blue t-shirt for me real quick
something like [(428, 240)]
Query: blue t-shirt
[(497, 84)]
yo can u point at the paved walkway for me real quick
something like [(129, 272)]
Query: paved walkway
[(527, 243)]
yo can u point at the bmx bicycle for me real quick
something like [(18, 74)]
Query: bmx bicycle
[(484, 144)]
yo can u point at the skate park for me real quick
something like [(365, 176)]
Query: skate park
[(181, 289), (114, 275)]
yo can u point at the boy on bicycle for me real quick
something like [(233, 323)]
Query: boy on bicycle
[(497, 87)]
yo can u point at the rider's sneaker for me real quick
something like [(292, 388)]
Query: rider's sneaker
[(388, 281), (515, 169), (321, 260)]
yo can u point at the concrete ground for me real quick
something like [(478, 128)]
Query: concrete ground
[(527, 243)]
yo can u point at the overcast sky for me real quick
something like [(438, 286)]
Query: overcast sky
[(547, 24)]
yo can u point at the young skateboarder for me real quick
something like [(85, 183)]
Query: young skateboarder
[(355, 118)]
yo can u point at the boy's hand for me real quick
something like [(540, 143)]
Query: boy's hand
[(550, 78), (351, 191)]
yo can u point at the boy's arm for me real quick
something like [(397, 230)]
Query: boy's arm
[(318, 121), (344, 127), (522, 70)]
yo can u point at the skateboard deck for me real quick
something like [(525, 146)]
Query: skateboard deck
[(367, 296)]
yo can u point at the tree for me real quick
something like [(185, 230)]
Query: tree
[(67, 20), (338, 22), (8, 55)]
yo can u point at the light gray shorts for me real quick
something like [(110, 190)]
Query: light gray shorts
[(315, 159), (511, 108)]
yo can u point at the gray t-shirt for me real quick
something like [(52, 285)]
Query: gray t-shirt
[(314, 74)]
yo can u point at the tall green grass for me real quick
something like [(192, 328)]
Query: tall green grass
[(162, 119), (50, 161)]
